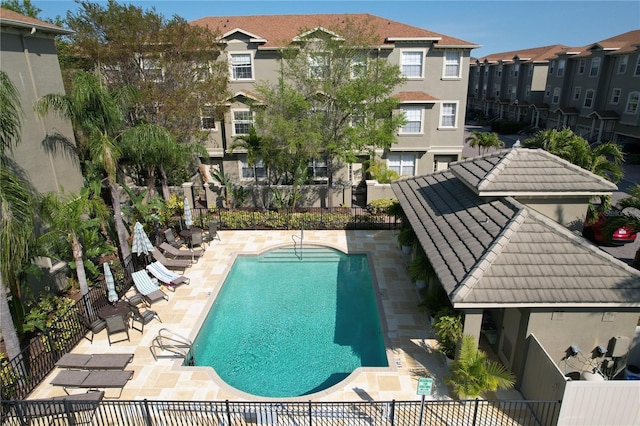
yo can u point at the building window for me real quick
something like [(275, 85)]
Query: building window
[(411, 64), (561, 64), (595, 67), (547, 91), (556, 96), (622, 64), (486, 72), (637, 71), (588, 99), (207, 118), (576, 93), (241, 66), (448, 115), (581, 66), (527, 90), (441, 162), (317, 169), (530, 70), (358, 66), (496, 90), (615, 96), (402, 164), (413, 117), (318, 66), (252, 172), (552, 67), (151, 70), (477, 71), (242, 121), (484, 90), (200, 71), (452, 60), (632, 103), (512, 93), (499, 71), (516, 70)]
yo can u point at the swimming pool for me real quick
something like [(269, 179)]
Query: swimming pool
[(289, 323)]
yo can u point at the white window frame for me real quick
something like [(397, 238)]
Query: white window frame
[(240, 66), (588, 98), (152, 68), (207, 112), (582, 65), (318, 65), (359, 65), (615, 95), (636, 73), (315, 166), (415, 53), (449, 62), (402, 163), (577, 91), (405, 109), (594, 69), (248, 172), (556, 96), (448, 111), (237, 121), (561, 66), (632, 103), (623, 63)]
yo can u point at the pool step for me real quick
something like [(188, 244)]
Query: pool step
[(307, 254)]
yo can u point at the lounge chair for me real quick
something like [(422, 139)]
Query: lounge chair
[(116, 325), (94, 361), (170, 263), (69, 409), (142, 317), (213, 232), (196, 238), (181, 253), (147, 288), (169, 278), (95, 379), (171, 238)]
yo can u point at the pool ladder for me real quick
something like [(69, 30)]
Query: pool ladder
[(168, 344), (295, 246)]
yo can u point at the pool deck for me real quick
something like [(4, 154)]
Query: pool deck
[(409, 339)]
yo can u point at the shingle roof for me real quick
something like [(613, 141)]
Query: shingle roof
[(494, 251), (11, 18), (280, 30), (527, 171), (534, 54)]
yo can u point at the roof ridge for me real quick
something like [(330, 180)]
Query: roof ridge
[(497, 169), (492, 253)]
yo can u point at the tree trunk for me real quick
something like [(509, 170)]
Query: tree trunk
[(125, 251), (76, 249), (165, 185), (151, 182), (11, 341)]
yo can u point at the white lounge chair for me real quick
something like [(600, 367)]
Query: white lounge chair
[(147, 288), (169, 278)]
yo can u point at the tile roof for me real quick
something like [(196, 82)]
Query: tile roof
[(11, 18), (280, 30), (520, 171), (534, 54), (414, 97), (494, 251)]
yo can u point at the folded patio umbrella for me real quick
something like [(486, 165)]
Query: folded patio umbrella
[(111, 285), (188, 216), (141, 243)]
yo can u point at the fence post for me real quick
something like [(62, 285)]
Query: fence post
[(475, 411), (146, 414), (68, 412), (310, 413), (392, 413), (226, 402)]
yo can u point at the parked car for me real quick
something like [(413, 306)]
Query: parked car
[(595, 231)]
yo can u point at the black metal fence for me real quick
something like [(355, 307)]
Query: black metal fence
[(307, 218), (167, 413)]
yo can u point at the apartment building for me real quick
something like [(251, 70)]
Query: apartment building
[(593, 89), (28, 56), (431, 98)]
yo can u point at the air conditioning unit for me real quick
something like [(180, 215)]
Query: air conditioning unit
[(619, 346)]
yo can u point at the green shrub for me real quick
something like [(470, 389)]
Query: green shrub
[(447, 326), (381, 205)]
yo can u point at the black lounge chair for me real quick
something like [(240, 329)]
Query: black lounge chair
[(95, 379), (170, 263), (171, 238), (181, 253), (94, 361)]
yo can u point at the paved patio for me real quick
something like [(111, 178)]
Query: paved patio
[(407, 331)]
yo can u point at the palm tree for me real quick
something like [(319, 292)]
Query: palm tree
[(16, 211), (68, 215), (484, 141), (97, 116), (472, 374)]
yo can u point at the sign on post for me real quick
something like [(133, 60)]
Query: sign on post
[(424, 386)]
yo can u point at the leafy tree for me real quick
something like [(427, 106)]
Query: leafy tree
[(484, 141), (349, 90), (97, 119), (68, 216), (24, 7), (16, 212), (473, 374), (171, 63)]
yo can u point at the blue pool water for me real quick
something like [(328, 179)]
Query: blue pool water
[(283, 327)]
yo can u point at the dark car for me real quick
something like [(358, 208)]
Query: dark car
[(595, 231)]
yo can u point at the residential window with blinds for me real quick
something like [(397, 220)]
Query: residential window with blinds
[(452, 63), (413, 117), (242, 122), (207, 118), (411, 64), (403, 164), (241, 66), (448, 115)]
